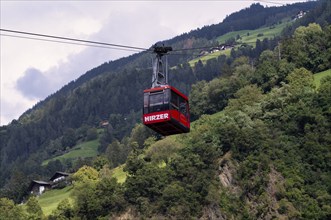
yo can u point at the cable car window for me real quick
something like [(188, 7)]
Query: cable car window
[(183, 108), (174, 100), (166, 96), (146, 96), (157, 102), (156, 99)]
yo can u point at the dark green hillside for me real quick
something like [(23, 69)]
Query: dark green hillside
[(265, 155), (319, 14), (269, 140)]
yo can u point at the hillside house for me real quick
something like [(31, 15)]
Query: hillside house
[(300, 15), (38, 187), (214, 49), (104, 124), (203, 53), (59, 177), (58, 180), (227, 47)]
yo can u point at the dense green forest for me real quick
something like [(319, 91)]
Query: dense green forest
[(259, 145)]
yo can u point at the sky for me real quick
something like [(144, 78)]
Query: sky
[(30, 70)]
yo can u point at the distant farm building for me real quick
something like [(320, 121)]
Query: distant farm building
[(215, 49), (39, 187), (59, 177), (203, 53), (104, 124), (300, 15), (58, 180)]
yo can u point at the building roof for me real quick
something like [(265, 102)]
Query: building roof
[(41, 182), (58, 174), (38, 182)]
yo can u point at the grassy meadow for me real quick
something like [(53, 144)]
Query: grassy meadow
[(83, 150), (319, 76), (51, 198), (248, 37)]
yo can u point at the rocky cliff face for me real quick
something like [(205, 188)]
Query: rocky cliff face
[(230, 185)]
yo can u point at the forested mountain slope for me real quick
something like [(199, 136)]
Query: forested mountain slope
[(270, 140)]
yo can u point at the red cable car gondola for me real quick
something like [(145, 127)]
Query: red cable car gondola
[(166, 110)]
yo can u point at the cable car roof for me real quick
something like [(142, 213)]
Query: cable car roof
[(166, 87)]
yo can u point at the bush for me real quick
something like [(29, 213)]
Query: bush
[(91, 134)]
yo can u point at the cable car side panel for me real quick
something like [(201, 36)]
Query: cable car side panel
[(166, 122)]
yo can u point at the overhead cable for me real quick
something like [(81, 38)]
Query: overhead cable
[(72, 39), (67, 42), (75, 41)]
